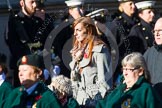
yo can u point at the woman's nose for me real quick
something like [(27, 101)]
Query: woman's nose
[(152, 13), (20, 73), (75, 33)]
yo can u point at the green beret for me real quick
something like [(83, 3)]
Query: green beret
[(33, 60)]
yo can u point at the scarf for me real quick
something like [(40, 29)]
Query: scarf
[(78, 51)]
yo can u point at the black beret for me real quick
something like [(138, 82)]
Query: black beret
[(33, 60)]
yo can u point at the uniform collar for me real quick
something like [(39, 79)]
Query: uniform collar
[(32, 88), (147, 25), (2, 78), (21, 14), (128, 19), (139, 81)]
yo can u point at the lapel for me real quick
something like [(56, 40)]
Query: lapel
[(86, 61), (19, 97), (36, 95)]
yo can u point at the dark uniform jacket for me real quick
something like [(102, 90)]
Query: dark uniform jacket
[(44, 29), (141, 95), (120, 28), (141, 37), (5, 89), (21, 32), (41, 97), (153, 58)]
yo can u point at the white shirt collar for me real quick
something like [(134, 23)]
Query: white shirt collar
[(2, 78)]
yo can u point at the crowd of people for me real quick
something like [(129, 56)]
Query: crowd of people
[(91, 80)]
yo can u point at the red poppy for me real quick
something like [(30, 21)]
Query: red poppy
[(85, 55), (24, 60), (38, 97)]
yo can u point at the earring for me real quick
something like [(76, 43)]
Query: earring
[(37, 76)]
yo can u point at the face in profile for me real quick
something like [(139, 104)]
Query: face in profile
[(27, 75), (80, 32), (128, 7), (158, 32), (29, 6), (147, 15), (76, 12), (131, 74)]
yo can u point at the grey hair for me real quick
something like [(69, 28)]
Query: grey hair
[(136, 60), (62, 84)]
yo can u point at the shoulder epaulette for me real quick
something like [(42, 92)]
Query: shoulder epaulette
[(139, 24), (120, 17)]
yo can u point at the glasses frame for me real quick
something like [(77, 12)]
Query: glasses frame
[(129, 69), (156, 31)]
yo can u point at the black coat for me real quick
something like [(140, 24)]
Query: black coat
[(120, 28), (141, 37), (22, 30)]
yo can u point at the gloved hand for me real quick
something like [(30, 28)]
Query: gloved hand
[(46, 74), (56, 71)]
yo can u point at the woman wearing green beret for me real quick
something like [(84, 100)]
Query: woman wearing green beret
[(33, 93), (135, 91)]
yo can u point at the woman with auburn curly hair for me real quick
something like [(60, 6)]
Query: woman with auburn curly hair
[(91, 68)]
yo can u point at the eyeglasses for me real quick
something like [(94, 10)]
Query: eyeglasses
[(129, 69), (157, 31)]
